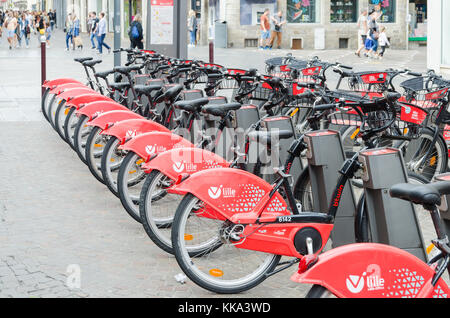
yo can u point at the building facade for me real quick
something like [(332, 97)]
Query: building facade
[(313, 24), (438, 49)]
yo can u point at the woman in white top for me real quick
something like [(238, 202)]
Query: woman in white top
[(362, 31)]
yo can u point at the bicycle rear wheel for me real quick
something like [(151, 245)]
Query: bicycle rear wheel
[(206, 256), (318, 291)]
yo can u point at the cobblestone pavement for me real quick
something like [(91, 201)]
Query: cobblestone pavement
[(57, 221)]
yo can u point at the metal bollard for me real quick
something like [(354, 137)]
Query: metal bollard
[(43, 63), (211, 51)]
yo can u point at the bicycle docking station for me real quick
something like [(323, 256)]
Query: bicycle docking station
[(444, 207), (325, 157), (391, 221)]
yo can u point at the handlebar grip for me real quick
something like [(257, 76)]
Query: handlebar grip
[(325, 107), (414, 74), (346, 67)]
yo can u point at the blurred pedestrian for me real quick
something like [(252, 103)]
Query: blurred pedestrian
[(76, 30), (101, 34), (10, 24), (52, 17), (362, 31), (92, 34), (136, 33), (69, 31), (265, 30), (383, 41), (192, 27), (277, 32), (25, 32)]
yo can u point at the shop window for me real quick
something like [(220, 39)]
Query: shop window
[(386, 8), (250, 42), (303, 11), (297, 44), (343, 11)]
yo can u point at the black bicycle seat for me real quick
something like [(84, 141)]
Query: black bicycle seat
[(173, 92), (267, 136), (220, 109), (191, 105), (128, 69), (393, 96), (147, 89), (82, 59), (428, 194), (120, 86), (103, 74), (91, 63)]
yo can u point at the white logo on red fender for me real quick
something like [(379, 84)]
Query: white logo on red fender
[(130, 134), (178, 166), (280, 232), (215, 192), (355, 283), (372, 277), (150, 149)]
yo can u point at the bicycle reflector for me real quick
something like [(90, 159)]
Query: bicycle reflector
[(307, 262), (182, 177)]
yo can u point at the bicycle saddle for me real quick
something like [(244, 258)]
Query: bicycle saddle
[(173, 92), (91, 63), (82, 59), (220, 109), (393, 96), (127, 69), (147, 89), (428, 194), (119, 86), (266, 136), (191, 105), (103, 74)]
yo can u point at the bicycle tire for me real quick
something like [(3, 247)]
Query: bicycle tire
[(44, 102), (187, 258), (318, 291), (69, 123), (91, 155), (106, 169), (59, 122), (77, 137)]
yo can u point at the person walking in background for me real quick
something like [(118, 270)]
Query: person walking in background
[(265, 30), (10, 25), (101, 34), (76, 29), (372, 35), (136, 33), (362, 31), (25, 32), (48, 29), (69, 31), (277, 32), (52, 17), (94, 22), (192, 27), (383, 42)]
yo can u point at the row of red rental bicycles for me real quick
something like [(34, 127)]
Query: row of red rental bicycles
[(211, 161)]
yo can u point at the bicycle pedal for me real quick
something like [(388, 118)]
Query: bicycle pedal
[(180, 278)]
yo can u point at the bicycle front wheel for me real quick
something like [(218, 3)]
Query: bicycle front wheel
[(208, 258)]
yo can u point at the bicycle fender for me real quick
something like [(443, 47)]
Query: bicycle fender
[(70, 93), (94, 109), (50, 84), (131, 128), (372, 270), (237, 195), (108, 118), (81, 100), (61, 88), (151, 143), (179, 161)]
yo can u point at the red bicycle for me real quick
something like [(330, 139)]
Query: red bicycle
[(381, 271)]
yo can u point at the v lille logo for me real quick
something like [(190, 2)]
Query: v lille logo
[(214, 192), (178, 167), (355, 283), (150, 149)]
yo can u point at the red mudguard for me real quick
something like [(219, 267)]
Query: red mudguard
[(236, 194), (59, 81), (109, 118), (61, 88), (372, 270), (70, 93), (176, 162), (149, 144), (94, 109), (131, 128), (81, 100)]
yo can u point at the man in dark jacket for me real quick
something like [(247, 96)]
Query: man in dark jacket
[(136, 33)]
